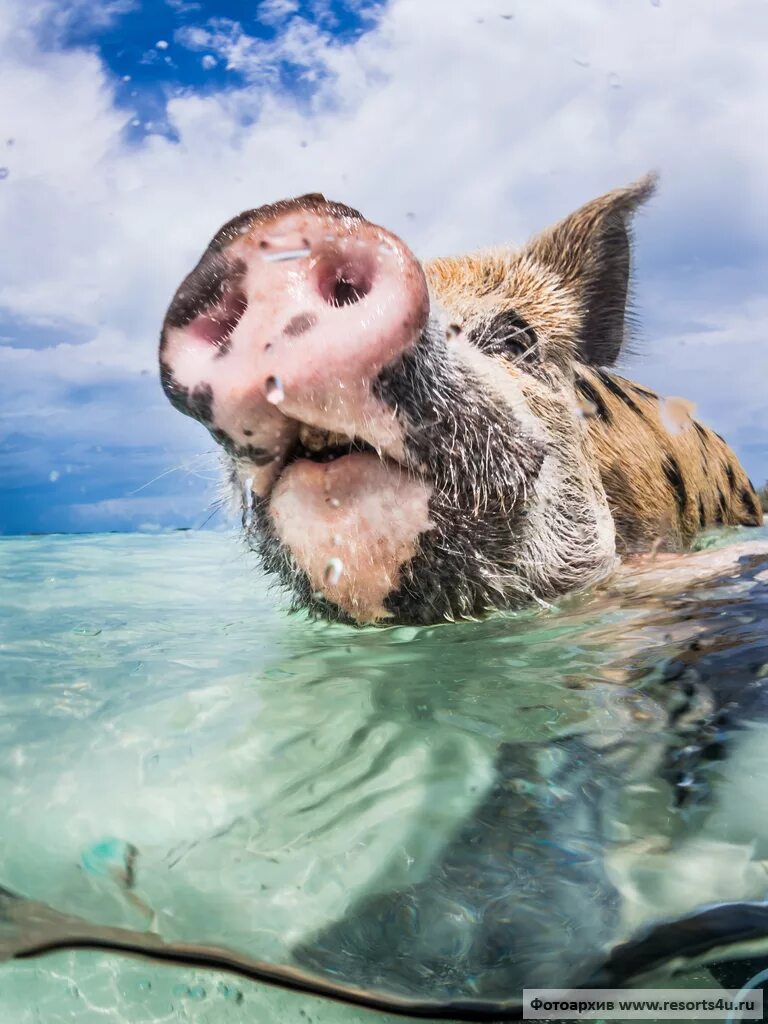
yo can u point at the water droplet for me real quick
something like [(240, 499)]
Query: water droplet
[(181, 990), (135, 122), (285, 255), (162, 44), (54, 475), (145, 986), (126, 78), (4, 172), (333, 572), (248, 503), (273, 389), (614, 81), (334, 502), (208, 62), (197, 992)]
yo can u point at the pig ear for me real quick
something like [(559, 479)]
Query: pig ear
[(590, 253)]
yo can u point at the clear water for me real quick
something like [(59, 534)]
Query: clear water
[(386, 807)]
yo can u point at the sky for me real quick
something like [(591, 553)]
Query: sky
[(131, 129)]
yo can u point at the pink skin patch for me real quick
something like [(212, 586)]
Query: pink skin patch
[(351, 524), (322, 306)]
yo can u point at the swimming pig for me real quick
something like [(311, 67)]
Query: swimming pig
[(419, 442)]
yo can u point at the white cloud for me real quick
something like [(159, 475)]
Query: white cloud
[(260, 60), (141, 513), (58, 18), (484, 128), (272, 12)]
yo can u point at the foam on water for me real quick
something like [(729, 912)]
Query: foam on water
[(178, 754)]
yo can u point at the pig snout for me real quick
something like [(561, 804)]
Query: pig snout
[(287, 320), (274, 342)]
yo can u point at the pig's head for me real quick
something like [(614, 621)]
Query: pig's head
[(407, 440)]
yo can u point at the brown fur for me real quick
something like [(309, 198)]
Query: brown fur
[(661, 485), (570, 285)]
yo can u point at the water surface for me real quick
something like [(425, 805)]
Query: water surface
[(444, 812)]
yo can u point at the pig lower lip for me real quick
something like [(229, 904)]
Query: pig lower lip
[(360, 513)]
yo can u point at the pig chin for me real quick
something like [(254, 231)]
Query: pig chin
[(351, 525)]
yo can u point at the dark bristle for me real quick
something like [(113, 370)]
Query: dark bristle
[(616, 389), (590, 392), (674, 475)]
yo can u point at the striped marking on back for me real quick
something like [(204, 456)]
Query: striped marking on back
[(661, 485)]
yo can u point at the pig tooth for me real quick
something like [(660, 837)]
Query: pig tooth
[(313, 438), (336, 440)]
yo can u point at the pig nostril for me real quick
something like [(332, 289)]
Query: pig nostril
[(345, 292), (345, 283), (217, 323)]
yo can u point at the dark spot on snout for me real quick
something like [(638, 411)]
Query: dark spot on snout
[(249, 452), (590, 392), (616, 389), (313, 202), (674, 476), (203, 288), (300, 324), (176, 393), (197, 403), (200, 403)]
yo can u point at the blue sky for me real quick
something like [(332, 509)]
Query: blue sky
[(130, 129)]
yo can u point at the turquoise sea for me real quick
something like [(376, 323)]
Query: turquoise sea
[(438, 813)]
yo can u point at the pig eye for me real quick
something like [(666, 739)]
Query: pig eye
[(507, 334)]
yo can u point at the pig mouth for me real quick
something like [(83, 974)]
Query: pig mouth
[(323, 446)]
